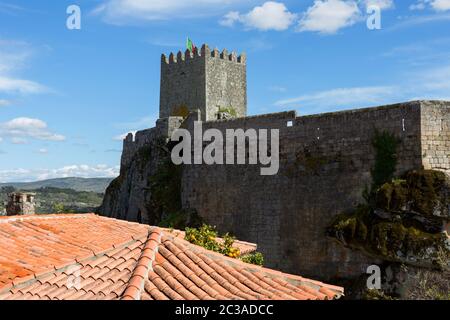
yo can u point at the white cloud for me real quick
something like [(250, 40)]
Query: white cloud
[(431, 82), (83, 171), (341, 97), (420, 5), (10, 8), (329, 16), (16, 140), (270, 16), (13, 57), (230, 19), (43, 151), (22, 128), (5, 103), (437, 5), (126, 11), (440, 5), (382, 4), (420, 20), (12, 85), (435, 81)]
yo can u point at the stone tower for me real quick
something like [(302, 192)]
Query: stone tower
[(210, 81), (20, 204)]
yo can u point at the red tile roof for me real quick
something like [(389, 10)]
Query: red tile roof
[(67, 257)]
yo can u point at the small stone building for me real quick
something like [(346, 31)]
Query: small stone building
[(20, 204)]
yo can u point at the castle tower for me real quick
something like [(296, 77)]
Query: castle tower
[(20, 204), (210, 81)]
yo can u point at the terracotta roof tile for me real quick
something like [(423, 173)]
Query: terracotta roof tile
[(68, 257)]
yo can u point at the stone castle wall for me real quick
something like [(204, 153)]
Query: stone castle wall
[(132, 143), (183, 84), (325, 164), (226, 83), (206, 80), (435, 129)]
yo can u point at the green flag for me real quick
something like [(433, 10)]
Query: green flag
[(190, 45)]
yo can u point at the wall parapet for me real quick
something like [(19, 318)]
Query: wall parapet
[(277, 115), (204, 52), (133, 142), (410, 104)]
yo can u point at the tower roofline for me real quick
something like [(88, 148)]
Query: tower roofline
[(205, 51)]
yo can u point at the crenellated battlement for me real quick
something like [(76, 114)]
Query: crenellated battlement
[(204, 79), (204, 52)]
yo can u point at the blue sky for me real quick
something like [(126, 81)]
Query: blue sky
[(66, 96)]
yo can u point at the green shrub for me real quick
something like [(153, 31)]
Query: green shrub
[(385, 145), (230, 110), (59, 208), (206, 237), (256, 258), (374, 294)]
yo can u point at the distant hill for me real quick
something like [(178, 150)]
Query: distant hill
[(57, 200), (97, 185)]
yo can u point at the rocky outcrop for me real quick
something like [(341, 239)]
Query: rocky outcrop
[(407, 223), (129, 196), (404, 225)]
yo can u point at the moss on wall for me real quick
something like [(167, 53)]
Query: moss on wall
[(180, 111), (385, 144), (389, 240), (309, 160), (165, 188), (424, 191), (229, 110), (403, 226)]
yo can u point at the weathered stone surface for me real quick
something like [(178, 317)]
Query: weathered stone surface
[(325, 164), (435, 132), (401, 282), (425, 192), (203, 80), (128, 197), (326, 161), (408, 224), (20, 203)]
